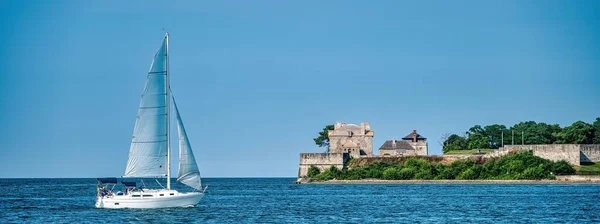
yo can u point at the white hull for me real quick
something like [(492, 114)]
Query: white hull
[(150, 199)]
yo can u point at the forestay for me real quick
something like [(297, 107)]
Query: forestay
[(148, 150), (189, 174)]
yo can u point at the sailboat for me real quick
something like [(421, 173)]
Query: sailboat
[(149, 152)]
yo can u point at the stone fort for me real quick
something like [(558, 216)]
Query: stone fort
[(355, 141), (351, 140)]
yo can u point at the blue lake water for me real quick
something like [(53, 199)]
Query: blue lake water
[(276, 200)]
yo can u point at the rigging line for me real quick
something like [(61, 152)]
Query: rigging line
[(159, 184)]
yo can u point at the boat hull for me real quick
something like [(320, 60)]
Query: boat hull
[(158, 199)]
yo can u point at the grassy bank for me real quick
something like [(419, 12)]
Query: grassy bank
[(590, 167), (518, 166), (559, 180)]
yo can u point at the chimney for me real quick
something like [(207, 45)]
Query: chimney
[(414, 135)]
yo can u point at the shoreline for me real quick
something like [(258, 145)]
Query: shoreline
[(575, 179)]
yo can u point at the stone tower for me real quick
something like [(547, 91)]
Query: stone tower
[(418, 142), (357, 140)]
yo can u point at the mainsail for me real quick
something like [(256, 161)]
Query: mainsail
[(189, 174), (148, 150)]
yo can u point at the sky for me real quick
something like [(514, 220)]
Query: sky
[(257, 80)]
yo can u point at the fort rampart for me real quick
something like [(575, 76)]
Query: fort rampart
[(322, 161)]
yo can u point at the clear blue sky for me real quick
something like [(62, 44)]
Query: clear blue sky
[(256, 80)]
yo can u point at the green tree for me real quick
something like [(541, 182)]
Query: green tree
[(562, 168), (424, 175), (467, 174), (313, 171), (596, 125), (417, 163), (389, 173), (478, 141), (446, 174), (406, 173), (494, 133), (515, 166), (547, 132), (578, 133), (477, 138), (519, 130), (535, 133), (455, 142), (534, 173), (323, 139)]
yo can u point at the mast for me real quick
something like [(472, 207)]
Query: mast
[(167, 88)]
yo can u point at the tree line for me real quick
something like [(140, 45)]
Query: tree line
[(529, 132), (517, 166)]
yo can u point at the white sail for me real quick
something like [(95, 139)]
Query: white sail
[(148, 150), (149, 153), (189, 174)]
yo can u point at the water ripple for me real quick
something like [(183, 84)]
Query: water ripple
[(275, 200)]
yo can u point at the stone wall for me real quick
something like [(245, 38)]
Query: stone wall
[(322, 161), (388, 152), (395, 152), (554, 152), (590, 153)]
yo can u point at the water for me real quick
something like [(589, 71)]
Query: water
[(275, 200)]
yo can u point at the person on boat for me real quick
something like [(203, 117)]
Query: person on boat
[(104, 191)]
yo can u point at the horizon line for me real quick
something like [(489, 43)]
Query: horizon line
[(122, 177)]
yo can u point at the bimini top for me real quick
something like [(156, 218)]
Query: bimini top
[(128, 184), (108, 180)]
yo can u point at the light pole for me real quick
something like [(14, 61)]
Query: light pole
[(513, 137)]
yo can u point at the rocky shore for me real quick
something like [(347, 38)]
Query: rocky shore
[(573, 179)]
